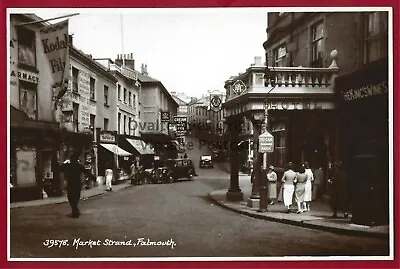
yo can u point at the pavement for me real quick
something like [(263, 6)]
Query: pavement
[(85, 193), (317, 218)]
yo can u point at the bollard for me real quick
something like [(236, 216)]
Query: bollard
[(263, 199)]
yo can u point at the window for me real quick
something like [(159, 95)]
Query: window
[(119, 122), (75, 114), (28, 99), (317, 32), (279, 134), (105, 95), (279, 55), (92, 88), (376, 36), (105, 124), (75, 74), (119, 92), (134, 101), (26, 47), (129, 125), (92, 123), (124, 124), (125, 95), (130, 99)]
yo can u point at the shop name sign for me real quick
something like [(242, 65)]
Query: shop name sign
[(107, 137), (366, 91), (298, 105), (26, 76)]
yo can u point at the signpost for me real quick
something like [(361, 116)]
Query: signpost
[(266, 143), (164, 116)]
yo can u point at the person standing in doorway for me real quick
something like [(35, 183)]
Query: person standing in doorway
[(318, 179), (308, 186), (272, 178), (72, 170), (288, 180), (109, 176), (339, 199)]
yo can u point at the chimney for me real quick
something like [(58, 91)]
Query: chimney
[(257, 60), (144, 69), (129, 61)]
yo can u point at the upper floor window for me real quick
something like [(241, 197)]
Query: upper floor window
[(119, 92), (130, 99), (134, 100), (28, 99), (26, 47), (317, 35), (105, 124), (119, 122), (376, 36), (106, 95), (92, 88), (75, 74), (75, 114), (125, 95)]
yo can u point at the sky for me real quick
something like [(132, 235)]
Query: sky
[(189, 50)]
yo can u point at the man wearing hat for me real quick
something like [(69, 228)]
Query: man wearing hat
[(272, 178)]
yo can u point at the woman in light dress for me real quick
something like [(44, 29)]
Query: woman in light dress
[(288, 180), (301, 179), (272, 178), (308, 187)]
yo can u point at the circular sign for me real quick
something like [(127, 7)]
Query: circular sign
[(239, 87), (216, 102)]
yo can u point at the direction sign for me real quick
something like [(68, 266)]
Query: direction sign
[(266, 143), (239, 87)]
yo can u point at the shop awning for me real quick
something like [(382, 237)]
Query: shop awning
[(115, 149), (140, 146)]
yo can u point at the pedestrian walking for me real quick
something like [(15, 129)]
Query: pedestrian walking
[(308, 186), (288, 179), (317, 183), (300, 189), (339, 196), (109, 176), (272, 178), (72, 170)]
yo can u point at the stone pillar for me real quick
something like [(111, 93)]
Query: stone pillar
[(257, 119), (234, 193)]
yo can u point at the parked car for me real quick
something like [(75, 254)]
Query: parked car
[(206, 161), (180, 168)]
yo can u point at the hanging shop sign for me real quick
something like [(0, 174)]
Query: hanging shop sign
[(266, 142), (55, 41), (239, 87), (366, 91), (215, 102), (181, 124), (165, 116), (299, 105)]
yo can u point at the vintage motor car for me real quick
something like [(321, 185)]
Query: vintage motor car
[(206, 161), (179, 169)]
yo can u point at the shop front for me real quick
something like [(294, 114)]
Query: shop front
[(33, 155), (364, 141), (110, 155), (143, 154)]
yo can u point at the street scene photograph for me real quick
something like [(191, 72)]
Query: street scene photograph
[(198, 134)]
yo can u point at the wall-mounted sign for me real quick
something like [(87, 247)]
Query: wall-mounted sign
[(215, 103), (181, 124), (165, 116), (239, 87), (84, 97), (25, 76), (107, 138), (366, 91), (298, 105)]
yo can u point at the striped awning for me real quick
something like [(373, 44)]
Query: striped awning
[(115, 149)]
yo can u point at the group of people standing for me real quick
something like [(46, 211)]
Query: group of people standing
[(304, 186), (298, 184)]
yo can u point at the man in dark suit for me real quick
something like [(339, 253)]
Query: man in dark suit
[(72, 170)]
